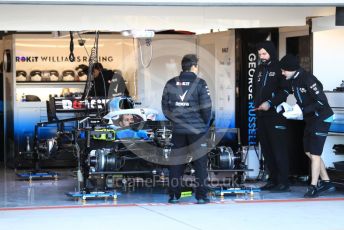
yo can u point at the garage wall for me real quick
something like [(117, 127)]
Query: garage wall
[(2, 149), (9, 98), (217, 67), (328, 50), (1, 49), (43, 52), (168, 51)]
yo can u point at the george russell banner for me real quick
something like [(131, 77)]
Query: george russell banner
[(246, 56)]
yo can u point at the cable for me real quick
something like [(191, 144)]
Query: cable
[(95, 60), (83, 45), (92, 59), (71, 47), (261, 164), (104, 84), (105, 94), (135, 75), (148, 43)]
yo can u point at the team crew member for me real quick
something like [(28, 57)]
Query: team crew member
[(107, 83), (186, 103), (317, 115), (269, 90)]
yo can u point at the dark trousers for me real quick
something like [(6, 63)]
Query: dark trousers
[(273, 137), (195, 146)]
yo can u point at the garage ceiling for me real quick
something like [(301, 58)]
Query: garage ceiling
[(199, 19), (188, 2)]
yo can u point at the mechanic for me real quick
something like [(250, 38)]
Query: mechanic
[(107, 83), (187, 104), (269, 90), (317, 115)]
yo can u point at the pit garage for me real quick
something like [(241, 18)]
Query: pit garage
[(66, 150)]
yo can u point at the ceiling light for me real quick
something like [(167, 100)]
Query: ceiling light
[(138, 33)]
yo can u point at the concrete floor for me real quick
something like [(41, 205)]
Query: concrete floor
[(27, 206)]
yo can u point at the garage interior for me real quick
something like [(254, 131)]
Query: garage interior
[(146, 43)]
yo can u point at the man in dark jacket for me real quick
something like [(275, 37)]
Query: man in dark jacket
[(317, 115), (269, 90), (186, 103), (107, 83)]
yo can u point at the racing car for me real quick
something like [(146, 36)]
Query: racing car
[(113, 152)]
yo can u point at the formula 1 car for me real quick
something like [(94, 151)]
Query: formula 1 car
[(112, 154)]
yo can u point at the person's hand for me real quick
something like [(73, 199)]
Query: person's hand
[(265, 106)]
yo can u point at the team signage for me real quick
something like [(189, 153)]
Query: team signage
[(34, 59), (251, 125), (65, 105), (246, 116)]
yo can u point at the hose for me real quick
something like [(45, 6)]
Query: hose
[(148, 42)]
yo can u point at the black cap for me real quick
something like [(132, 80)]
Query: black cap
[(289, 63)]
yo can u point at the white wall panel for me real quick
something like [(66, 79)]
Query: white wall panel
[(328, 50), (217, 67), (168, 51), (117, 18)]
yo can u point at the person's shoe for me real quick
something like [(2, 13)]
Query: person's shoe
[(268, 186), (312, 192), (325, 186), (203, 201), (280, 188), (174, 199)]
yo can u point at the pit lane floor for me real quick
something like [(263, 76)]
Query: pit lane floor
[(26, 205)]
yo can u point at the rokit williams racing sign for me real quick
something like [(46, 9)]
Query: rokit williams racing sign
[(74, 104)]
